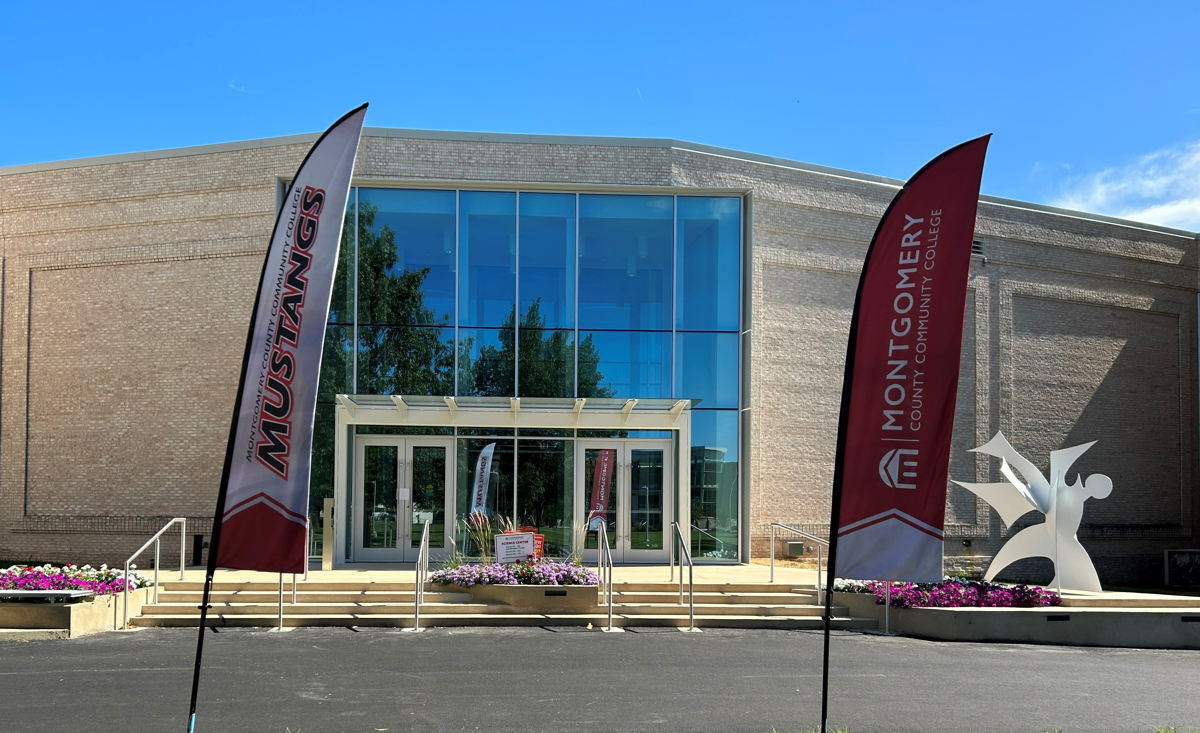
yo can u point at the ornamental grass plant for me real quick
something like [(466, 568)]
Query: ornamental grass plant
[(101, 581)]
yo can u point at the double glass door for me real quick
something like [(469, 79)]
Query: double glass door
[(627, 484), (399, 484)]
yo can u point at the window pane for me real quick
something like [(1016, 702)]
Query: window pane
[(709, 265), (487, 255), (625, 262), (617, 433), (624, 364), (706, 368), (547, 253), (405, 256), (486, 362), (547, 367), (498, 503), (646, 490), (405, 360), (714, 474), (337, 363), (545, 491), (341, 302), (428, 494)]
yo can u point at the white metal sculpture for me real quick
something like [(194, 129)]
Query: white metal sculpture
[(1062, 503)]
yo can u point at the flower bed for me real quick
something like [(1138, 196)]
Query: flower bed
[(101, 581), (954, 593), (531, 572)]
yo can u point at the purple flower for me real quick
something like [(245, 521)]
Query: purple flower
[(963, 594)]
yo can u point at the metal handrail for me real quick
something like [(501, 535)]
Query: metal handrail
[(685, 554), (713, 537), (820, 543), (422, 572), (156, 540), (604, 567)]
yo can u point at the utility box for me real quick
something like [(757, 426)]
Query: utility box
[(796, 547)]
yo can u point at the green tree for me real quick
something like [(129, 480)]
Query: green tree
[(547, 362)]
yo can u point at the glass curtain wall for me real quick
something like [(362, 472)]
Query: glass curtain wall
[(507, 293)]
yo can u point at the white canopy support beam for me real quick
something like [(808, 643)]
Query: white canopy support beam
[(452, 404), (514, 404), (628, 408), (579, 403), (678, 407), (399, 402), (347, 403)]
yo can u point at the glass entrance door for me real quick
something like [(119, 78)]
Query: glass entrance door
[(399, 484), (628, 485)]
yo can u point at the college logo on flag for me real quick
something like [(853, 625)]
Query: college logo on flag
[(263, 513), (902, 376)]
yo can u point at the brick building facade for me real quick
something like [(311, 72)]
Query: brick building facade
[(128, 280)]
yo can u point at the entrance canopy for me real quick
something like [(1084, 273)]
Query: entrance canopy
[(515, 412), (650, 484)]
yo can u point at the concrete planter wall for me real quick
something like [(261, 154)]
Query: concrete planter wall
[(536, 598), (861, 605), (102, 613), (1115, 627)]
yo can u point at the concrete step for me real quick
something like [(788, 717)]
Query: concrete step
[(176, 586), (440, 596), (595, 620), (321, 609), (624, 596), (182, 586), (375, 609), (666, 587), (306, 596), (708, 609)]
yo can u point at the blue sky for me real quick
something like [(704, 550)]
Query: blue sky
[(1093, 105)]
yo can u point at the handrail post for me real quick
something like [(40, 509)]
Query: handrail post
[(182, 545), (675, 545), (601, 527), (772, 553), (671, 562), (818, 583), (691, 592), (157, 545), (125, 610)]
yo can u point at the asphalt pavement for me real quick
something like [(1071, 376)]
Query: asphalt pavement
[(332, 680)]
